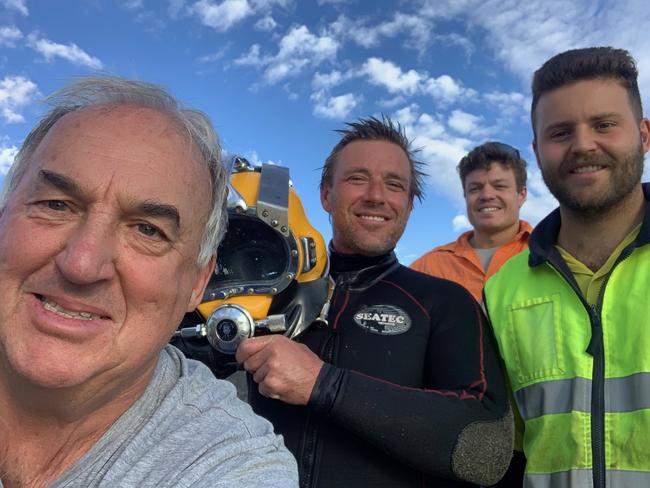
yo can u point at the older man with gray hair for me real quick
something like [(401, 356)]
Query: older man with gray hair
[(109, 223)]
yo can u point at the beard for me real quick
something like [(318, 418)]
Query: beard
[(625, 176)]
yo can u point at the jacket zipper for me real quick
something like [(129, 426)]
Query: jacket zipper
[(596, 348)]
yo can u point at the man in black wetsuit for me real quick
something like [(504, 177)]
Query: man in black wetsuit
[(402, 387)]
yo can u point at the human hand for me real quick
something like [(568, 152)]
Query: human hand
[(284, 369)]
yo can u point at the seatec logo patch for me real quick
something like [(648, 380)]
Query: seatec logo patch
[(383, 319)]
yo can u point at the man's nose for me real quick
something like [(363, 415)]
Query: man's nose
[(375, 191), (583, 140), (486, 193), (88, 255)]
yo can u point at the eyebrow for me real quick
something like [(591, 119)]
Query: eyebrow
[(593, 118), (63, 183), (149, 208), (366, 171), (161, 210)]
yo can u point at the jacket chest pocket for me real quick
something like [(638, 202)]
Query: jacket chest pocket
[(535, 338)]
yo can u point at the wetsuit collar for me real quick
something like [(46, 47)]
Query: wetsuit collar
[(357, 270)]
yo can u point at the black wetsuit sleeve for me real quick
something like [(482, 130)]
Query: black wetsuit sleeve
[(458, 425)]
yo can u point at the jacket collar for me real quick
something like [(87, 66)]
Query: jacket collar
[(462, 247), (543, 239)]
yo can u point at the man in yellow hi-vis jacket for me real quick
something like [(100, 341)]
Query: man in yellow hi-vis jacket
[(571, 313)]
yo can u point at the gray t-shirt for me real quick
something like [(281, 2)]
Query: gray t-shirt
[(188, 429)]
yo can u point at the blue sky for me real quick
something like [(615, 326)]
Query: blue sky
[(278, 76)]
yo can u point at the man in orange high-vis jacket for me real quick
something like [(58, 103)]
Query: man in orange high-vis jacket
[(493, 176)]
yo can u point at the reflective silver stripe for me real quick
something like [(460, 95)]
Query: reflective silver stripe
[(627, 394), (584, 478), (562, 396), (559, 396)]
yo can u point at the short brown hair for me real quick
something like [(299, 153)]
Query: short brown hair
[(588, 64), (374, 129), (481, 157)]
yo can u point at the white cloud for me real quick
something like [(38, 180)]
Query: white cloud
[(267, 4), (465, 123), (251, 58), (523, 35), (391, 102), (221, 16), (447, 90), (7, 156), (215, 56), (70, 52), (132, 4), (460, 223), (15, 93), (296, 50), (9, 35), (510, 104), (416, 30), (266, 24), (18, 5), (332, 79), (391, 76), (337, 107), (443, 89)]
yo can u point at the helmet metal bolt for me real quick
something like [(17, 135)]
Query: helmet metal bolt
[(289, 276), (294, 253), (250, 291), (265, 213), (283, 228), (274, 223), (274, 290)]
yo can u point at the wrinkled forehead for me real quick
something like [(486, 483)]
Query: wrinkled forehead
[(131, 150)]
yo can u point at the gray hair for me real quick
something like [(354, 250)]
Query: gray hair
[(105, 90)]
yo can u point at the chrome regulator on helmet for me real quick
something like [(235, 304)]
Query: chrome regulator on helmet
[(272, 270)]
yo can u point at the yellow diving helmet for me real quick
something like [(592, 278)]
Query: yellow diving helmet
[(272, 266)]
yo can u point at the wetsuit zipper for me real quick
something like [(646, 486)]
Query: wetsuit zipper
[(310, 437)]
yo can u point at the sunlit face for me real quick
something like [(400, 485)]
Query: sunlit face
[(369, 199), (590, 145), (492, 199), (98, 248)]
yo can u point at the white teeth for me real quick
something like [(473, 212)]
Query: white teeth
[(374, 218), (587, 169), (59, 310), (489, 209)]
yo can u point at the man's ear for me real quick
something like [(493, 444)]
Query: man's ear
[(535, 150), (521, 196), (325, 195), (202, 279), (644, 129)]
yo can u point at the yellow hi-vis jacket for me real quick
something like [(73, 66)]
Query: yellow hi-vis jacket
[(580, 375)]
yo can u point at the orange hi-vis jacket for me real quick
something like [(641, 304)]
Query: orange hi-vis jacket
[(457, 261)]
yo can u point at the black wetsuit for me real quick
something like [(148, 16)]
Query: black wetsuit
[(411, 394)]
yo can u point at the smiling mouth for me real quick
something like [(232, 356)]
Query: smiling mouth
[(54, 307), (373, 218), (489, 209), (587, 169)]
